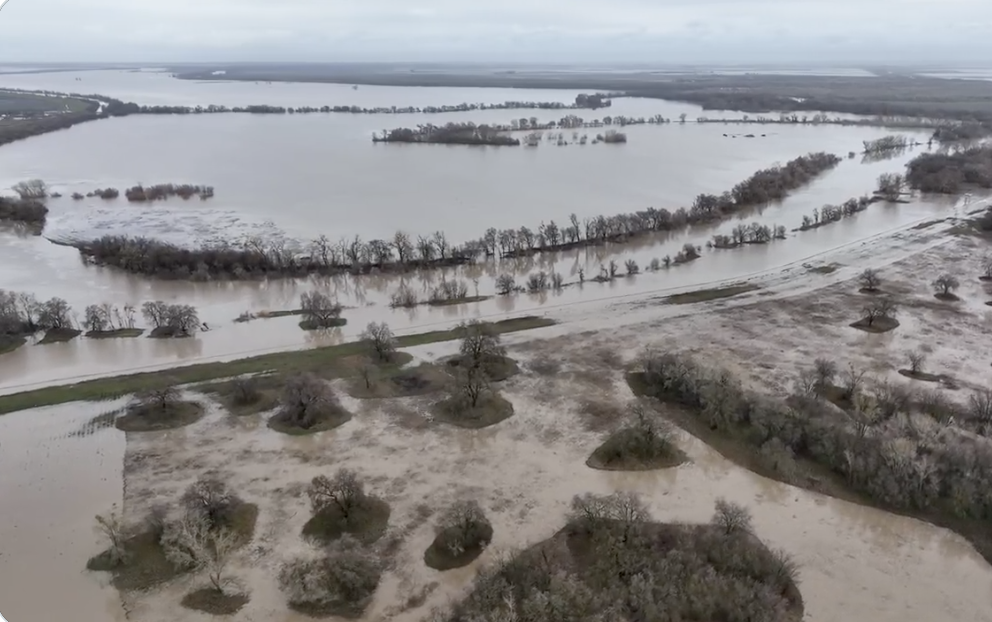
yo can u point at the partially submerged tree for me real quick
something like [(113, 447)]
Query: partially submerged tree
[(55, 314), (380, 341), (319, 310), (870, 280), (31, 189), (344, 492), (945, 285), (306, 400), (826, 371)]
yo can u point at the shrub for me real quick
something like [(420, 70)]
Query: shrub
[(404, 297), (341, 582)]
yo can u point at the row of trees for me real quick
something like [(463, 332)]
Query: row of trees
[(256, 257), (755, 233), (886, 143), (22, 314), (452, 133), (158, 192), (898, 449), (833, 213)]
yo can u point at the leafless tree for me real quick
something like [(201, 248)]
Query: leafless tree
[(31, 189), (111, 526), (878, 309), (870, 280), (505, 284), (480, 344), (732, 518), (945, 284), (380, 340), (319, 310), (853, 380), (594, 512), (160, 398), (304, 399), (245, 390), (632, 267), (192, 544), (344, 491), (472, 385), (826, 371), (403, 246), (55, 313), (94, 319), (806, 384), (464, 525), (917, 358), (348, 573), (980, 409), (210, 499), (441, 244)]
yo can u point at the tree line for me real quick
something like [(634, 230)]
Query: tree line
[(833, 213), (255, 257), (949, 173), (901, 449)]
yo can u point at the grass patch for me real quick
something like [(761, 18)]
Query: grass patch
[(457, 301), (921, 375), (367, 523), (497, 369), (311, 325), (828, 269), (619, 453), (948, 297), (329, 417), (146, 565), (9, 343), (59, 335), (490, 410), (394, 381), (336, 608), (880, 325), (704, 295), (167, 332), (325, 360), (267, 389), (120, 333), (439, 556), (153, 418), (209, 600)]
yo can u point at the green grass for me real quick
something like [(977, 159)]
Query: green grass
[(619, 453), (59, 335), (704, 295), (314, 359), (439, 557), (457, 301), (119, 333), (152, 418), (367, 522), (490, 410), (209, 600), (9, 344), (827, 269)]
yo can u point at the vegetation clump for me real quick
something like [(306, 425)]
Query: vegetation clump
[(171, 320), (320, 311), (882, 446), (341, 582), (213, 524), (950, 173), (308, 405), (462, 533), (159, 409), (611, 562), (481, 348), (879, 317), (643, 444), (341, 506)]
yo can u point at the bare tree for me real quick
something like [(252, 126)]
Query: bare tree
[(348, 574), (870, 280), (305, 398), (472, 384), (344, 491), (632, 267), (31, 189), (853, 380), (878, 309), (160, 398), (94, 319), (245, 391), (826, 371), (319, 310), (480, 344), (441, 244), (594, 512), (945, 284), (505, 284), (980, 409), (917, 358), (732, 518), (192, 544), (55, 313), (403, 246), (155, 312), (210, 499), (463, 526), (380, 340), (112, 528)]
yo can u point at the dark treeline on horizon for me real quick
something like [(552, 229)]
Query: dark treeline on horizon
[(257, 258)]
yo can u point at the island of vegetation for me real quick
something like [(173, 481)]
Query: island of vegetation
[(256, 258)]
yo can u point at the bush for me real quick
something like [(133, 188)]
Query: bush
[(644, 443), (945, 285), (404, 297), (462, 533), (341, 582), (308, 405), (380, 340)]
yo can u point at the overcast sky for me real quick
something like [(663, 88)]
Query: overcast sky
[(611, 31)]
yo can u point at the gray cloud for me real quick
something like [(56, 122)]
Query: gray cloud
[(650, 31)]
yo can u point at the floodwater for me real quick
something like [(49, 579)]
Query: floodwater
[(58, 473), (300, 176)]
